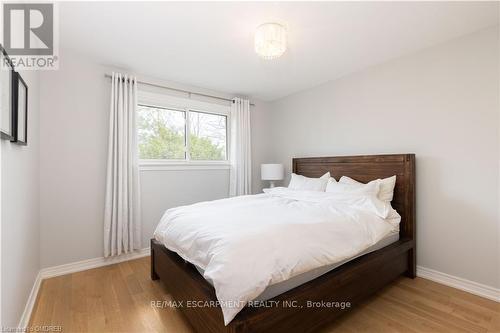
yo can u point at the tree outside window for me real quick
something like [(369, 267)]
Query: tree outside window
[(162, 134)]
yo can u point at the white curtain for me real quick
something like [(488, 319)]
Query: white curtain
[(122, 224), (241, 155)]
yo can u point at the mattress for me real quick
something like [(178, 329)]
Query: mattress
[(284, 286)]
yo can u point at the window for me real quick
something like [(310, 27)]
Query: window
[(184, 135)]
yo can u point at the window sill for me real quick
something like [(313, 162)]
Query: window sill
[(180, 166)]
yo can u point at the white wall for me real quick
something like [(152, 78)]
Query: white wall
[(20, 213), (74, 124), (443, 105)]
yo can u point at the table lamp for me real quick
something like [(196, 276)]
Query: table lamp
[(272, 172)]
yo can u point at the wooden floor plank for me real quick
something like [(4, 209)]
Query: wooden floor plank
[(118, 298), (436, 309), (96, 319), (44, 308), (61, 315)]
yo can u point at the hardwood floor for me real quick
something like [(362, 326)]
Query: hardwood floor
[(118, 298)]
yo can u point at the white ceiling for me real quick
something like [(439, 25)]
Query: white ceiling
[(210, 45)]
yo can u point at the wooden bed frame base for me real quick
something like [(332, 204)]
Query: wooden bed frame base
[(300, 309)]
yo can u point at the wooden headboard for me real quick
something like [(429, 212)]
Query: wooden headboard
[(367, 168)]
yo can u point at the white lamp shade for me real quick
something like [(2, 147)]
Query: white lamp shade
[(272, 171)]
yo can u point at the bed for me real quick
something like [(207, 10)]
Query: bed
[(351, 282)]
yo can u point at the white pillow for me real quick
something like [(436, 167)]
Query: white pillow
[(372, 188), (331, 180), (387, 185), (299, 182)]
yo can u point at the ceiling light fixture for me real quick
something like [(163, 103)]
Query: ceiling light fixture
[(270, 40)]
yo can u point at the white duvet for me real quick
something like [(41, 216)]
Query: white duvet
[(244, 244)]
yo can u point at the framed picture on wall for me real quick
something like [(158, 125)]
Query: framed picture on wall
[(20, 129), (6, 96)]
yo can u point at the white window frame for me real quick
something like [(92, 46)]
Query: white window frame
[(185, 105)]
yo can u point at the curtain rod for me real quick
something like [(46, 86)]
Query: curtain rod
[(180, 90)]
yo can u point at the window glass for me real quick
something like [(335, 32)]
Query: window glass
[(207, 136), (161, 133)]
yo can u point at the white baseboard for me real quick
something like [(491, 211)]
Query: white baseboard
[(25, 317), (91, 263), (459, 283), (74, 267)]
